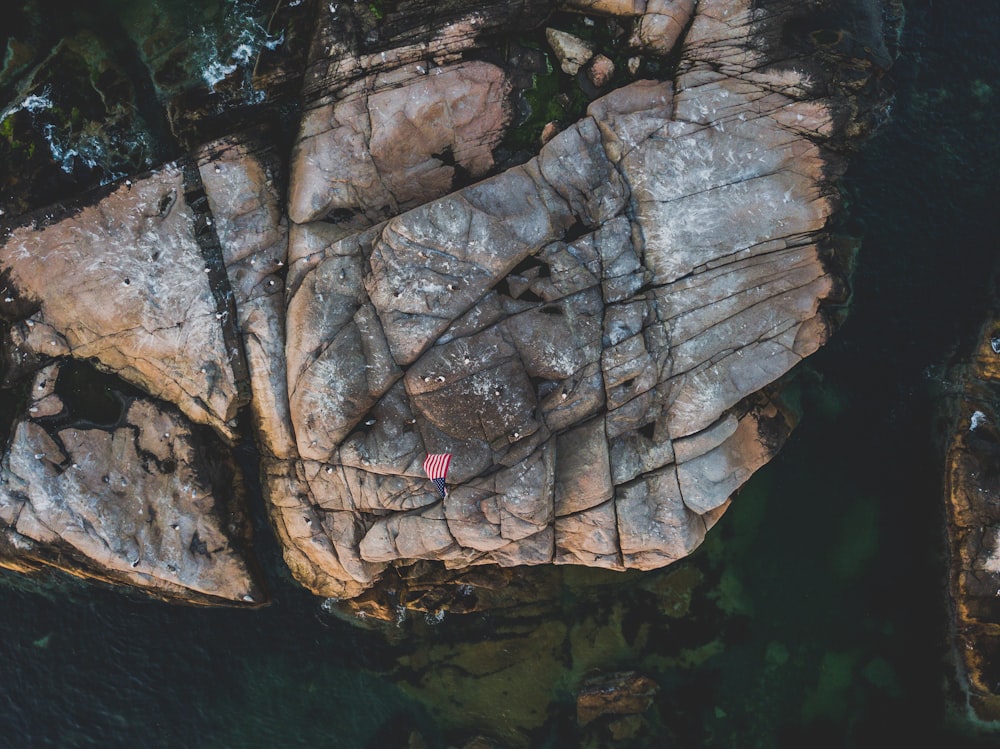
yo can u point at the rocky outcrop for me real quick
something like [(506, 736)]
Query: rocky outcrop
[(584, 332), (972, 494), (143, 500), (169, 282), (126, 283), (591, 330), (241, 188), (377, 154)]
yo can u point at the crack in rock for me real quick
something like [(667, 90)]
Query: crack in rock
[(592, 332)]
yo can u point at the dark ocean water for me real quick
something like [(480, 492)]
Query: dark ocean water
[(813, 616)]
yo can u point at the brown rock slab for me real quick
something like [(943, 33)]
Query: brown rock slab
[(124, 282), (662, 23), (397, 141), (241, 181), (565, 336), (143, 503)]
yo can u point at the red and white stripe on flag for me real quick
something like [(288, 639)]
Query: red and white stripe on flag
[(436, 466)]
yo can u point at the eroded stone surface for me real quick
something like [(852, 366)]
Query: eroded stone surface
[(243, 194), (591, 332), (582, 332), (169, 282), (395, 140), (143, 502), (124, 282)]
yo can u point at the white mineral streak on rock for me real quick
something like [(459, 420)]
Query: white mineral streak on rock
[(586, 333), (121, 282)]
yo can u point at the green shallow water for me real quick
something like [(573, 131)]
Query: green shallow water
[(814, 615)]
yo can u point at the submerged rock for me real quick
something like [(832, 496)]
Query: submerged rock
[(623, 693), (593, 331)]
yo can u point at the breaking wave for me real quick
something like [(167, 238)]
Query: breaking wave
[(235, 47)]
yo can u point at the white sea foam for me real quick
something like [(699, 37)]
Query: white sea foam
[(32, 103), (992, 562), (434, 617), (235, 47), (37, 102)]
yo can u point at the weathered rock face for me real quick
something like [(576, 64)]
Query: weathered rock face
[(170, 283), (591, 331), (583, 332), (379, 153), (242, 195), (125, 282), (143, 501)]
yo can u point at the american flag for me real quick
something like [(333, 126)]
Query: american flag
[(436, 468)]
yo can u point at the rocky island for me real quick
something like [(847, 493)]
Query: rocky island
[(973, 526), (575, 244)]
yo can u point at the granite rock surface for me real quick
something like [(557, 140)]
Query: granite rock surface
[(593, 329)]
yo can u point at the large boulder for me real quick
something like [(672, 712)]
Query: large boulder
[(379, 152), (588, 333), (170, 282), (126, 283)]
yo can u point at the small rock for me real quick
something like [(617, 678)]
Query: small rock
[(572, 51), (550, 130), (627, 728), (601, 71)]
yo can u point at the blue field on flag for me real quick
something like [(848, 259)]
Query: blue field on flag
[(436, 468)]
